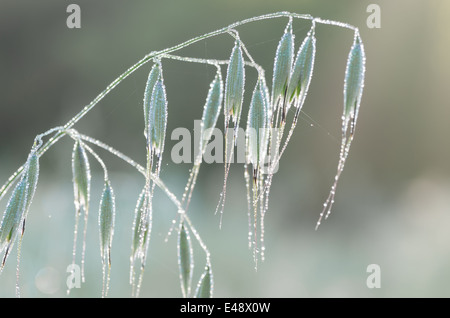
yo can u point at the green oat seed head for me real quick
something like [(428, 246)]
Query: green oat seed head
[(282, 67), (211, 110), (205, 284), (234, 85), (106, 221), (302, 71), (152, 78), (139, 237), (18, 204), (257, 135), (185, 260), (354, 83), (156, 129), (81, 177)]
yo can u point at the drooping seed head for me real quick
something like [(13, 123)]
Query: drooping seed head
[(140, 230), (19, 202), (13, 214), (266, 94), (32, 177), (256, 127), (156, 130), (234, 84), (106, 221), (282, 66), (185, 260), (81, 176), (354, 83), (153, 76), (205, 284), (302, 71), (211, 110)]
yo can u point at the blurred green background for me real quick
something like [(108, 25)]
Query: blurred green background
[(393, 201)]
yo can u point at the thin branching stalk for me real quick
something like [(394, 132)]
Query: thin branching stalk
[(268, 111)]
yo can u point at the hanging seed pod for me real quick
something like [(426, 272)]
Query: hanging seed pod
[(256, 128), (185, 260), (81, 177), (32, 178), (234, 86), (12, 217), (81, 186), (205, 284), (211, 110), (18, 204), (234, 95), (257, 142), (353, 88), (354, 83), (266, 96), (156, 130), (302, 72), (139, 237), (106, 223), (153, 76), (282, 68)]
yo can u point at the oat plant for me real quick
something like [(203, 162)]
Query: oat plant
[(273, 113)]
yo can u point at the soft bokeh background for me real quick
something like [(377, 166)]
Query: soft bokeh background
[(393, 202)]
